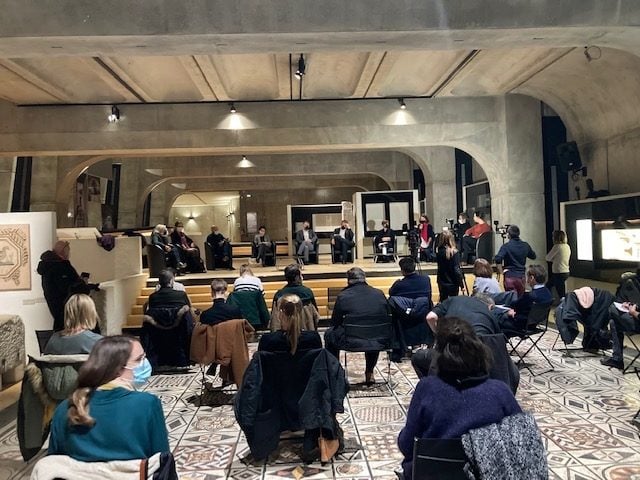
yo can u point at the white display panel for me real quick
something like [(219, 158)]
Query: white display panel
[(326, 222), (621, 244), (399, 213), (584, 240), (374, 215)]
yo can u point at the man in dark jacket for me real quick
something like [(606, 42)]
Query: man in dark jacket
[(343, 240), (411, 285), (513, 256), (167, 296), (516, 317), (358, 298), (59, 281), (220, 310)]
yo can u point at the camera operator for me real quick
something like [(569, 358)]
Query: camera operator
[(511, 259)]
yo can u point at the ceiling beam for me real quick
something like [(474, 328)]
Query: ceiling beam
[(212, 76), (198, 77), (115, 70), (36, 80), (119, 86), (459, 68), (368, 73)]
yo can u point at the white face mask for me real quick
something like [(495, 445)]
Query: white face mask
[(180, 229)]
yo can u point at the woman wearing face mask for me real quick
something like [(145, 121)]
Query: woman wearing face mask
[(426, 239), (106, 418), (189, 251)]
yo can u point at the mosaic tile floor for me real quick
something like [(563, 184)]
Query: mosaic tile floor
[(583, 409)]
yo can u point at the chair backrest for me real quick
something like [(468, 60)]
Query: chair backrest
[(208, 255), (438, 459), (484, 246), (156, 260), (43, 337), (538, 315), (369, 327)]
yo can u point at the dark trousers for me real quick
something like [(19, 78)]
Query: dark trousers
[(468, 248), (333, 339), (447, 291), (224, 255), (263, 250), (558, 280), (620, 323), (421, 361), (343, 245)]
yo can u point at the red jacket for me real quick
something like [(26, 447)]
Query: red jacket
[(478, 229)]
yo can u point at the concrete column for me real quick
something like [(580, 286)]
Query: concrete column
[(516, 180), (128, 216), (7, 171), (44, 183)]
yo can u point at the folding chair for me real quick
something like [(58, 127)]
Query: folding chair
[(43, 337), (630, 368), (439, 459), (536, 327), (359, 328)]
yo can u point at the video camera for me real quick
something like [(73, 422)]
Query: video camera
[(502, 230)]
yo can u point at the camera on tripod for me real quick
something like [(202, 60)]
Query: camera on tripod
[(502, 230), (449, 222)]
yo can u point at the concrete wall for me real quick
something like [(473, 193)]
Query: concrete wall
[(123, 261), (30, 304), (208, 215), (7, 170)]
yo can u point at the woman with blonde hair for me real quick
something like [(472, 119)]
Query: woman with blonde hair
[(484, 281), (105, 418), (559, 256), (247, 280), (80, 318), (450, 278), (290, 338)]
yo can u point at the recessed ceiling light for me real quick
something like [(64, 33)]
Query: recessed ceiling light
[(403, 106), (245, 163), (114, 116), (232, 108)]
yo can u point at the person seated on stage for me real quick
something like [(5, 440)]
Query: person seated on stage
[(263, 245), (343, 240), (290, 337), (306, 240), (358, 298), (461, 397), (220, 310), (459, 228), (160, 237), (247, 280), (472, 234), (105, 418), (450, 276), (189, 252), (412, 284), (385, 239), (516, 317), (476, 310), (167, 296), (511, 258), (625, 318), (221, 248), (80, 317), (427, 237), (484, 281)]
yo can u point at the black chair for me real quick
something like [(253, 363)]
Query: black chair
[(269, 258), (313, 253), (43, 337), (336, 254), (156, 257), (484, 246), (534, 330), (213, 261), (439, 459), (630, 368), (166, 336), (368, 333), (392, 253)]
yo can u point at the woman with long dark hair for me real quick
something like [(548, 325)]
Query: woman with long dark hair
[(106, 418), (461, 397), (450, 278)]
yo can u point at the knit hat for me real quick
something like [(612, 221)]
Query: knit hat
[(585, 296)]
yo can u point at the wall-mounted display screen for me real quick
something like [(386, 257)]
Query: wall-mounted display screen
[(584, 240), (621, 244)]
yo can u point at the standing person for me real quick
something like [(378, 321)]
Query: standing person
[(459, 228), (80, 317), (450, 279), (263, 245), (306, 240), (427, 237), (472, 234), (343, 240), (484, 281), (559, 256), (105, 418), (221, 248), (59, 280), (160, 238), (511, 258), (189, 252)]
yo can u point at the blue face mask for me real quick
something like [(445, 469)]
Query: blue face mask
[(141, 373)]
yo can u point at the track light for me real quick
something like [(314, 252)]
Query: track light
[(302, 68), (114, 116), (245, 163), (232, 108), (403, 106)]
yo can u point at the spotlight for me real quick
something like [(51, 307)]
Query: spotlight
[(403, 106), (302, 67), (191, 217), (232, 108), (245, 163), (114, 116)]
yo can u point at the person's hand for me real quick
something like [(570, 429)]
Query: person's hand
[(333, 241), (626, 305), (511, 312), (633, 310)]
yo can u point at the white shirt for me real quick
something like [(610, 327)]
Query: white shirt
[(343, 232), (559, 256), (305, 234), (247, 282)]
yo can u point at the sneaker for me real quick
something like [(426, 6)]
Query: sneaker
[(610, 362)]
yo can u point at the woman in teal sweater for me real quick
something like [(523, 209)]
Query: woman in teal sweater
[(106, 418)]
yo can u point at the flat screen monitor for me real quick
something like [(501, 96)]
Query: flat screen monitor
[(584, 240), (621, 244)]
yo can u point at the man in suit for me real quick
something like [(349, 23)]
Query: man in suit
[(358, 298), (516, 317), (343, 239), (167, 296), (263, 245), (220, 310), (306, 240), (385, 240)]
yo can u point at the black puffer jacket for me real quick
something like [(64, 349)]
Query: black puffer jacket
[(594, 319)]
